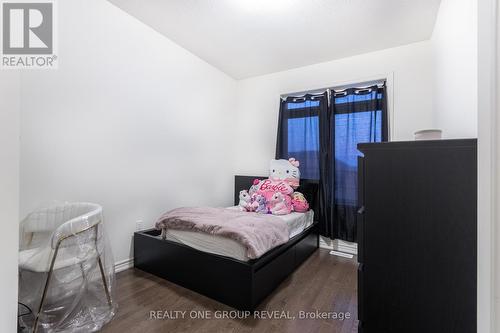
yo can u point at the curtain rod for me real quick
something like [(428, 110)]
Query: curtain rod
[(360, 85)]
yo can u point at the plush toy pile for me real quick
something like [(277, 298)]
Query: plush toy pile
[(276, 195)]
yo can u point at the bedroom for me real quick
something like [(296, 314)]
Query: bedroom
[(151, 106)]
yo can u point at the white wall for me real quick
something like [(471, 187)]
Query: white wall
[(9, 196), (488, 305), (487, 295), (409, 69), (129, 120), (454, 43), (495, 166)]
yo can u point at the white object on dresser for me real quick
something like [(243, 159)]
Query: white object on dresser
[(429, 134)]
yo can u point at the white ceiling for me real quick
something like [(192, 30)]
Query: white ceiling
[(246, 38)]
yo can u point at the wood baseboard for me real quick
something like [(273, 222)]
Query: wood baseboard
[(122, 265), (338, 245)]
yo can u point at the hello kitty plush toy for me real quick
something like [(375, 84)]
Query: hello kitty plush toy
[(245, 200), (284, 176), (278, 204), (286, 171)]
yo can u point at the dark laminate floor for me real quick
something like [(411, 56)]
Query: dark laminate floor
[(323, 282)]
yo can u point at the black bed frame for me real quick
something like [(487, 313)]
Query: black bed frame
[(239, 284)]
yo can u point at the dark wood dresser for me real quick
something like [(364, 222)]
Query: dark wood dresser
[(417, 237)]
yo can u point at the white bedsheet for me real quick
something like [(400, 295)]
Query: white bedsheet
[(296, 222)]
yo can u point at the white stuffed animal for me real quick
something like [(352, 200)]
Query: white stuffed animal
[(245, 200)]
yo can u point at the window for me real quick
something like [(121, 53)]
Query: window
[(303, 144), (300, 128), (322, 132), (357, 120)]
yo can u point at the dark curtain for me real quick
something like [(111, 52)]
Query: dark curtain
[(359, 116), (323, 135), (300, 122), (304, 132)]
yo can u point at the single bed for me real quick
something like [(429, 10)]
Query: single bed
[(218, 267), (296, 222)]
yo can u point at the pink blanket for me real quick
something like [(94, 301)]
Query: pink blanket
[(258, 233)]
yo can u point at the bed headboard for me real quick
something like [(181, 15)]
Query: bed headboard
[(307, 187)]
